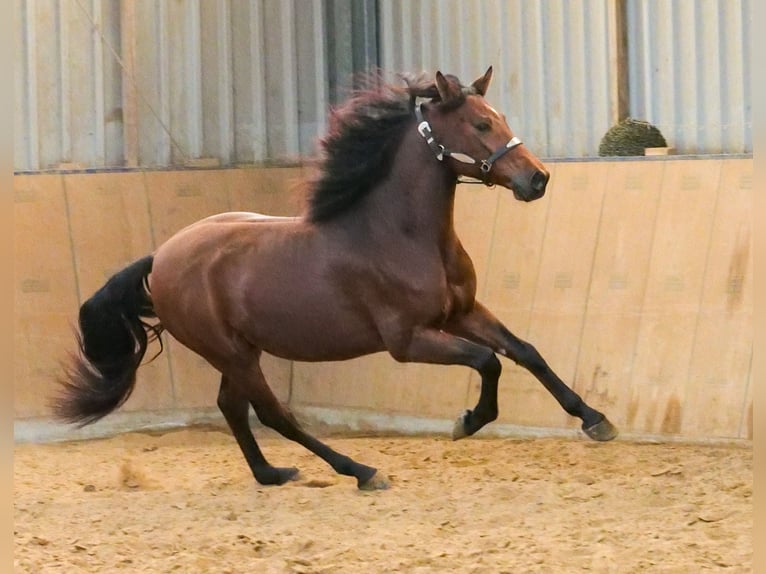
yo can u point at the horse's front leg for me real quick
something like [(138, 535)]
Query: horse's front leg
[(428, 345), (482, 327)]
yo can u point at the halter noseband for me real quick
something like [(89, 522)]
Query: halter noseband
[(485, 165)]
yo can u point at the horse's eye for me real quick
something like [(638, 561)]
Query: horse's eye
[(483, 126)]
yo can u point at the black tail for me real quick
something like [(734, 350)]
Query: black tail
[(113, 338)]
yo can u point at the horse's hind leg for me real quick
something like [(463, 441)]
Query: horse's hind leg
[(235, 407), (273, 414)]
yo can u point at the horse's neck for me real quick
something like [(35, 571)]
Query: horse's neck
[(418, 197)]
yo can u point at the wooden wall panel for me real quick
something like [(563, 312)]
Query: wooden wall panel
[(346, 384), (632, 278), (716, 386), (720, 361), (110, 224), (154, 385), (672, 302), (617, 289), (44, 277), (475, 213), (562, 287), (25, 351), (45, 291), (514, 262), (379, 383), (570, 236), (746, 420), (729, 278), (179, 198), (41, 343), (270, 191), (659, 373)]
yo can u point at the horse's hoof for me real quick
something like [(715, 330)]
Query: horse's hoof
[(601, 431), (376, 482), (291, 474), (278, 476), (458, 429)]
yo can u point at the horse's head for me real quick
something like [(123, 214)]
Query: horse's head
[(475, 141)]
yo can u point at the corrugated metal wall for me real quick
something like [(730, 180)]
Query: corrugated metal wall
[(550, 58), (689, 65), (67, 87), (105, 83), (136, 82), (687, 62), (238, 81)]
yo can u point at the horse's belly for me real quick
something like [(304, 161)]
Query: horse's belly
[(302, 322), (309, 349)]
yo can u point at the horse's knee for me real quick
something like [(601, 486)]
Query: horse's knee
[(490, 366)]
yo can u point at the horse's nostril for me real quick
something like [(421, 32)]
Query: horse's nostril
[(540, 180)]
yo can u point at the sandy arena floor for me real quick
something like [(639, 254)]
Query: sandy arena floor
[(186, 502)]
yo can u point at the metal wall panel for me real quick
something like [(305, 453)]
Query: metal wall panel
[(223, 79), (689, 63), (550, 59), (66, 86), (101, 83), (240, 81), (643, 305)]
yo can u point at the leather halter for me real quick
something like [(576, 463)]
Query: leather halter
[(485, 165)]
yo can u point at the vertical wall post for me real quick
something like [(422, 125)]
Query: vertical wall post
[(129, 95), (619, 103)]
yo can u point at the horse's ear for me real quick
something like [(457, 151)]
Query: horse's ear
[(482, 84), (447, 90)]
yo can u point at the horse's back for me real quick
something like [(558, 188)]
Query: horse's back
[(206, 239), (196, 247), (243, 217)]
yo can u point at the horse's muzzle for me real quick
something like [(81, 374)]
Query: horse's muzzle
[(539, 181), (533, 188)]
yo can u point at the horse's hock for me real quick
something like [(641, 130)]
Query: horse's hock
[(622, 300)]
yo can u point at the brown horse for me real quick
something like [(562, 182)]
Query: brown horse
[(373, 265)]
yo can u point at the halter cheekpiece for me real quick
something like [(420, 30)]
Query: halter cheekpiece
[(424, 129)]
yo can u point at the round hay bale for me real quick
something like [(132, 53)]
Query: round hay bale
[(630, 137)]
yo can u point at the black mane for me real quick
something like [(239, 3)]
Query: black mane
[(362, 137)]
